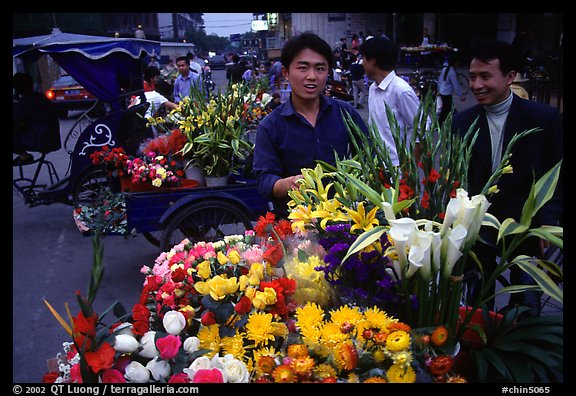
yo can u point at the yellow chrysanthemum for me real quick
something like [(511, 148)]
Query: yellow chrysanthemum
[(210, 339), (400, 374), (331, 334), (310, 315), (259, 328), (346, 317), (234, 345), (397, 341)]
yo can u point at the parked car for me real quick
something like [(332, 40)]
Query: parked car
[(217, 62), (67, 94)]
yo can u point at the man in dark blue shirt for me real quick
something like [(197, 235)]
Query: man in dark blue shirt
[(306, 128)]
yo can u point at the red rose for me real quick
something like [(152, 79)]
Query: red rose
[(140, 327), (208, 376), (168, 346), (180, 378), (208, 318), (243, 306)]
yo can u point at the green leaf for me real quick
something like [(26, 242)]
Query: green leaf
[(510, 227), (546, 283), (364, 240), (546, 185)]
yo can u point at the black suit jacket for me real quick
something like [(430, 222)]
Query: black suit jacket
[(532, 156)]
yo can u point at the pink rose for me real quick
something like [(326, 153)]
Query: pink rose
[(112, 376), (208, 376), (168, 346)]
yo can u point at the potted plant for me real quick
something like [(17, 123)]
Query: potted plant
[(215, 131)]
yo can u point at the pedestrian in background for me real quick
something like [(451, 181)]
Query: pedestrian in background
[(379, 59), (235, 71), (139, 33), (185, 80), (448, 86), (357, 78)]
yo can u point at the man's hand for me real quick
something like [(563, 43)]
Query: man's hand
[(282, 186)]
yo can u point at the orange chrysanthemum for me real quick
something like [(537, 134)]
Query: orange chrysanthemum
[(302, 366), (283, 374), (265, 364), (440, 365), (399, 326), (346, 356), (297, 351), (439, 336)]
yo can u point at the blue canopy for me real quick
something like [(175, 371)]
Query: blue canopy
[(105, 66)]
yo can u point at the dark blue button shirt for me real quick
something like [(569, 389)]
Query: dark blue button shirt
[(286, 142)]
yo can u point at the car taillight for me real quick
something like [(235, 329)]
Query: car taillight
[(50, 94)]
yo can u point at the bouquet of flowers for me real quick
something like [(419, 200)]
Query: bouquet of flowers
[(107, 214), (114, 159), (157, 170), (169, 144)]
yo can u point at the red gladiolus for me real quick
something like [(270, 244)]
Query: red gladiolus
[(112, 376), (50, 378), (433, 176), (243, 306), (101, 359), (425, 200), (273, 254), (208, 376)]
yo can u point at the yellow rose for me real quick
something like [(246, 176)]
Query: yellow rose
[(250, 292), (202, 288), (234, 256), (221, 287), (243, 281), (257, 269), (222, 259), (270, 296), (203, 269)]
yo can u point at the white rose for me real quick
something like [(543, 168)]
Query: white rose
[(160, 369), (191, 344), (233, 369), (125, 343), (148, 345), (201, 363), (174, 322), (136, 372)]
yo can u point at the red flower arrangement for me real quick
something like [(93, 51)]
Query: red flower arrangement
[(114, 159), (169, 144)]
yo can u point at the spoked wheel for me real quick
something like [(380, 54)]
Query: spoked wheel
[(90, 186), (205, 221), (153, 237)]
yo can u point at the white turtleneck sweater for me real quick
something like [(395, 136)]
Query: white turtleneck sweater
[(496, 115)]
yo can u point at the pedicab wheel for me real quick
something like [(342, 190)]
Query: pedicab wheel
[(90, 186), (153, 237), (209, 221)]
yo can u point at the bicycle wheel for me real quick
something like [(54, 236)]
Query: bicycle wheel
[(464, 83), (153, 237), (90, 186), (209, 221)]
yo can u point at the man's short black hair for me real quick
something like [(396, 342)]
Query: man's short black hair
[(150, 72), (486, 50), (383, 50), (183, 58), (306, 40)]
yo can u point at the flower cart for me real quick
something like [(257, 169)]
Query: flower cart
[(109, 68)]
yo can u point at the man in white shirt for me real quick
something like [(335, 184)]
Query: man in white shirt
[(379, 58)]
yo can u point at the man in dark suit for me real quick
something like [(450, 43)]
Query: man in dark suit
[(235, 71), (502, 114)]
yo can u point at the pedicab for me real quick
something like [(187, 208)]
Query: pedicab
[(112, 70)]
